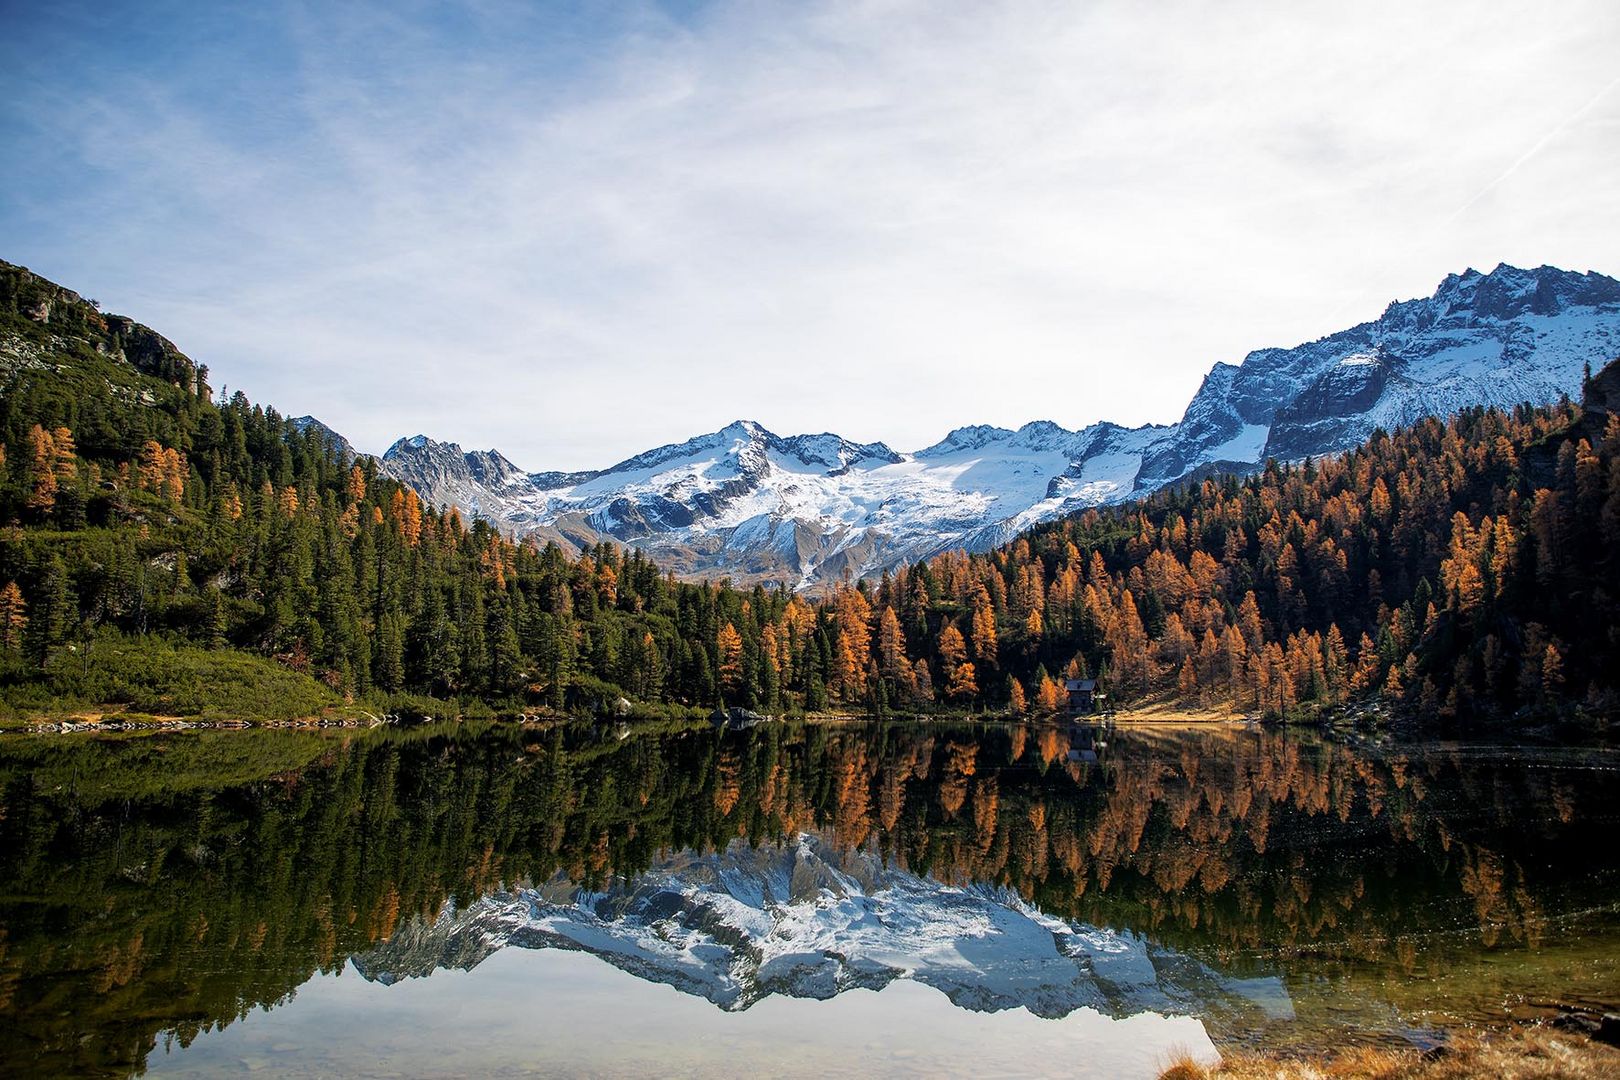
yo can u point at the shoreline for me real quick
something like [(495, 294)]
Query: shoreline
[(1574, 1045)]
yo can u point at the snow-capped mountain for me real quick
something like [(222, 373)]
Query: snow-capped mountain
[(805, 920), (807, 509)]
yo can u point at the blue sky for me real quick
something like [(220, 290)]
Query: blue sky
[(574, 231)]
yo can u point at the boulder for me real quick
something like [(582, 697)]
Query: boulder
[(736, 718)]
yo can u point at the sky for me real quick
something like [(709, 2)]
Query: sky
[(576, 231)]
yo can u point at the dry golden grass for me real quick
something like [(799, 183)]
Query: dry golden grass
[(1525, 1054), (1171, 710)]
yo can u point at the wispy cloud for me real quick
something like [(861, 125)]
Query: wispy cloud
[(574, 235)]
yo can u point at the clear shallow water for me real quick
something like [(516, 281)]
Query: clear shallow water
[(791, 900)]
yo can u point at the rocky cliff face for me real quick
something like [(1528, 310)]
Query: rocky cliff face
[(805, 510), (1600, 401), (36, 312), (802, 919)]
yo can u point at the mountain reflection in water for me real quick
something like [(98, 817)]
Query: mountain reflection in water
[(806, 921), (1277, 887)]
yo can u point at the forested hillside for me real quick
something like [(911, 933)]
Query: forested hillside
[(1461, 569), (1465, 568), (136, 505)]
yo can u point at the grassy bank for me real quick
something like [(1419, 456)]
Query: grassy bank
[(154, 677), (1530, 1053), (119, 679)]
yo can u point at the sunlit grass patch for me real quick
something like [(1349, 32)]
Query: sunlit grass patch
[(1524, 1054)]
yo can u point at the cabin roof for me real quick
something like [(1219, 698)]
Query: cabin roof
[(1080, 684)]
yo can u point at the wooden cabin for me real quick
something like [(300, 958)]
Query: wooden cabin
[(1084, 697)]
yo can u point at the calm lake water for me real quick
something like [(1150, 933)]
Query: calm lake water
[(793, 900)]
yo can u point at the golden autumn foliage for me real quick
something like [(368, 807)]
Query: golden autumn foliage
[(13, 616), (964, 682), (1049, 695), (356, 490), (42, 470), (1301, 586), (730, 645)]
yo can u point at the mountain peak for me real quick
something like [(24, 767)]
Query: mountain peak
[(306, 424), (802, 510), (444, 472), (968, 437), (1508, 292), (418, 444), (745, 428)]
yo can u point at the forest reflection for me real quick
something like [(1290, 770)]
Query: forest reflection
[(158, 887)]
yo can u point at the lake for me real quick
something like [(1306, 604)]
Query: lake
[(792, 900)]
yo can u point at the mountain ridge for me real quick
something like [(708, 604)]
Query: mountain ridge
[(806, 510)]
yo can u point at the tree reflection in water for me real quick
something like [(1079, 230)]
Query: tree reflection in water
[(158, 887)]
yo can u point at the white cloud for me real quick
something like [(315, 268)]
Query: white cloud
[(884, 219)]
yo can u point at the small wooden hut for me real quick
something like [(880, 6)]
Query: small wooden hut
[(1084, 696)]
